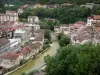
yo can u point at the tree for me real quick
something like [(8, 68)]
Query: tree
[(75, 60), (27, 12), (48, 24), (44, 13), (59, 36), (2, 9), (64, 41), (96, 10), (47, 35), (22, 2), (72, 14), (23, 73)]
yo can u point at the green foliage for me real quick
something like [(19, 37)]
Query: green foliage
[(48, 24), (22, 62), (13, 8), (72, 14), (96, 10), (2, 9), (20, 2), (59, 36), (32, 72), (65, 1), (69, 14), (75, 60), (47, 41), (47, 35), (45, 46), (25, 14), (44, 13), (64, 41), (23, 73)]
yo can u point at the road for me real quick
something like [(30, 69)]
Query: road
[(39, 60)]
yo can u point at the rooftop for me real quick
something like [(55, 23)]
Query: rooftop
[(3, 41), (25, 50), (10, 56)]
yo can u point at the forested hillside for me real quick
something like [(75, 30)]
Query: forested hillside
[(70, 1), (18, 2), (49, 1)]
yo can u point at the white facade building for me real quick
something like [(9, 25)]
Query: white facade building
[(20, 11), (22, 34), (33, 19), (15, 45), (94, 18), (9, 16), (10, 60)]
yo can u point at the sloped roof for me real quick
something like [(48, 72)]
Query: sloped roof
[(31, 46), (10, 56), (96, 17), (37, 44), (3, 41), (25, 50)]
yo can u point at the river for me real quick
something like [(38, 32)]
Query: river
[(39, 60)]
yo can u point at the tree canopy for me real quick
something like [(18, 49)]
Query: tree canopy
[(50, 1), (75, 60), (64, 40), (2, 10), (47, 35)]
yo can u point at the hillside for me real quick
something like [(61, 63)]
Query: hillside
[(49, 1), (17, 1)]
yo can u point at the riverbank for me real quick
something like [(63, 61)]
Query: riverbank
[(38, 61), (25, 63)]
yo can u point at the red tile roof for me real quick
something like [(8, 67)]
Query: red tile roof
[(80, 22), (10, 56), (9, 26), (22, 7), (38, 4), (96, 17), (25, 50)]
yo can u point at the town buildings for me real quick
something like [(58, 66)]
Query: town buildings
[(20, 11), (15, 42), (10, 60), (4, 46), (9, 16), (88, 5), (7, 28), (46, 6), (93, 19), (81, 32)]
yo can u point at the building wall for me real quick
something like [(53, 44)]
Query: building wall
[(11, 63), (4, 49), (5, 17)]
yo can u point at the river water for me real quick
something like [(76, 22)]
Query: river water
[(39, 60)]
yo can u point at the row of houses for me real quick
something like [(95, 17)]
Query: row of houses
[(82, 32), (19, 41), (21, 9), (12, 59), (52, 6), (14, 32)]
